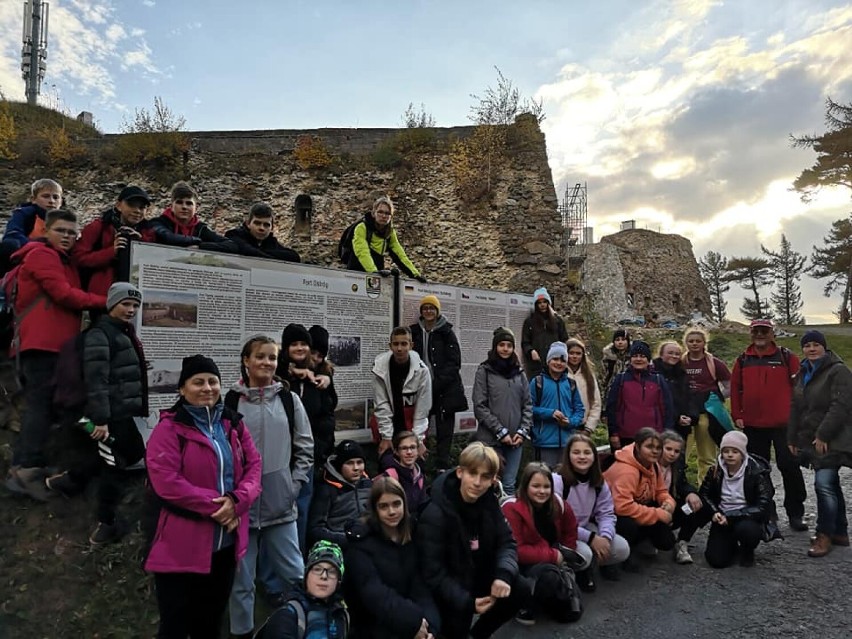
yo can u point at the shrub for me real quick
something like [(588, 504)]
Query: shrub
[(312, 153), (161, 150), (61, 149), (386, 156), (8, 133)]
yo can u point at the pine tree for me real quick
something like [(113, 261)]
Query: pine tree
[(787, 267), (752, 273), (713, 267), (834, 261), (833, 166)]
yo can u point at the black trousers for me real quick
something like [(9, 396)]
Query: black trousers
[(191, 604), (760, 442), (455, 624), (444, 426), (687, 525), (724, 541), (127, 449), (37, 369), (659, 534)]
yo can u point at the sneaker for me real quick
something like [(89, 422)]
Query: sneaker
[(797, 524), (104, 534), (63, 484), (29, 482), (525, 617), (585, 580), (646, 548), (682, 555)]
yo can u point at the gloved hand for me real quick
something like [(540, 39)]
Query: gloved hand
[(385, 272), (421, 279)]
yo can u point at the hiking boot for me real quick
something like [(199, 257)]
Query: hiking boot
[(747, 558), (840, 540), (525, 617), (104, 534), (681, 552), (610, 573), (797, 524), (29, 482), (821, 546), (585, 580), (63, 484), (646, 549)]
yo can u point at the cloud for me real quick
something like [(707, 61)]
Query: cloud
[(149, 3)]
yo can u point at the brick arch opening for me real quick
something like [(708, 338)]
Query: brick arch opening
[(304, 208)]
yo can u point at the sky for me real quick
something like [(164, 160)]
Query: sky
[(675, 113)]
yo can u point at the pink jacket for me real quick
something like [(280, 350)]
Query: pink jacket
[(182, 468)]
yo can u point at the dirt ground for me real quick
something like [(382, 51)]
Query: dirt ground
[(786, 593)]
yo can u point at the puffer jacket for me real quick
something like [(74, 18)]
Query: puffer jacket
[(556, 394), (416, 391), (336, 503), (264, 415), (446, 560), (532, 547), (638, 399), (25, 225), (184, 469), (757, 486), (821, 408), (114, 372), (384, 588), (444, 361), (501, 404), (637, 492)]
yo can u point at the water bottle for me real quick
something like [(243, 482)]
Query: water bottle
[(89, 427)]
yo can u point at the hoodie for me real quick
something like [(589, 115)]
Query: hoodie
[(637, 492), (416, 394)]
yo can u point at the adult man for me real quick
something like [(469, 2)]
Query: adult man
[(48, 311), (255, 237), (541, 328), (761, 390), (403, 391)]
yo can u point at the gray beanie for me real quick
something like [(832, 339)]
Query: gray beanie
[(122, 291)]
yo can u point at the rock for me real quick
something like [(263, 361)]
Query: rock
[(537, 248), (525, 259), (550, 268)]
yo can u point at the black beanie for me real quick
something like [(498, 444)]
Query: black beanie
[(346, 450), (640, 348), (814, 336), (502, 334), (195, 364), (294, 333), (621, 332), (319, 339)]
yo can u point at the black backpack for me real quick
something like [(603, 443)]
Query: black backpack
[(344, 246)]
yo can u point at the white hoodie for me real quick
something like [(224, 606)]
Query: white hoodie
[(733, 491), (416, 391)]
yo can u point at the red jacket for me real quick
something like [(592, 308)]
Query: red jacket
[(762, 387), (532, 547), (49, 302)]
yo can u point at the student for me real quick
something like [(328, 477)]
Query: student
[(255, 236), (400, 463), (502, 406), (28, 221), (468, 556), (738, 494), (579, 481), (376, 236), (685, 495), (616, 357), (543, 526), (322, 366), (384, 588), (403, 391), (315, 608), (542, 327), (99, 250), (669, 364), (49, 295), (558, 409), (643, 506), (179, 224), (582, 371), (342, 495)]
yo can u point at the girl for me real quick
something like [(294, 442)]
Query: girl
[(543, 527), (738, 494), (643, 506), (684, 494), (384, 589), (287, 453), (400, 462), (668, 364), (501, 404), (582, 371), (580, 483), (616, 356), (542, 327), (708, 375)]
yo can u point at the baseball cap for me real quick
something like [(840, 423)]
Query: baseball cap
[(766, 323), (133, 193)]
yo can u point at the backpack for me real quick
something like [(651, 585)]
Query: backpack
[(556, 592), (344, 246), (295, 604), (10, 321), (69, 386), (232, 401)]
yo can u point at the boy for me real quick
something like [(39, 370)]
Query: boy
[(179, 224), (255, 236), (403, 390), (315, 609), (468, 555), (104, 241), (28, 220), (342, 495), (48, 311), (673, 469), (400, 462)]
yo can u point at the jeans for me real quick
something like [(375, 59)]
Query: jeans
[(619, 550), (511, 464), (37, 368), (723, 541), (303, 505), (760, 442), (281, 544), (550, 456), (831, 506)]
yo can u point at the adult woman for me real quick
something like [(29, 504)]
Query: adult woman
[(204, 468), (708, 376), (668, 364), (375, 236), (820, 434), (582, 371), (643, 506), (616, 357), (386, 594), (287, 453), (501, 404)]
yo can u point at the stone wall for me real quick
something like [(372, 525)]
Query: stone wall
[(603, 281)]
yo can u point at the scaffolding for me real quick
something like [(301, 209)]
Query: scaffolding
[(576, 233)]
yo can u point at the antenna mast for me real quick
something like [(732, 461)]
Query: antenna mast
[(34, 51)]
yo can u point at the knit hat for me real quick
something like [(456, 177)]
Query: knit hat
[(430, 299), (557, 350), (814, 336), (621, 332), (195, 364), (346, 450), (121, 291), (573, 341), (319, 339), (640, 348), (542, 294), (502, 334), (325, 551), (735, 439), (294, 333)]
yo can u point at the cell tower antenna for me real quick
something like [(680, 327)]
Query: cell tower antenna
[(34, 51)]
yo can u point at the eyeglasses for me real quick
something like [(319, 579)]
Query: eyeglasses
[(326, 573), (65, 232)]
